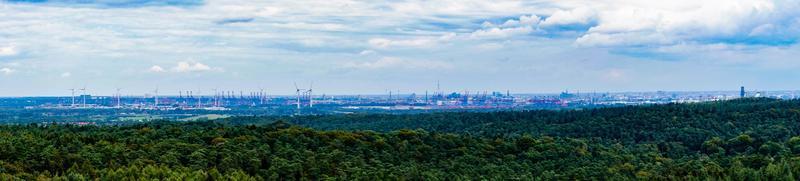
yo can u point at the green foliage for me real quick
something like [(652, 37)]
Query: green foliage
[(690, 124), (735, 140)]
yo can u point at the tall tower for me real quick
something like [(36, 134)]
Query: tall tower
[(199, 100), (426, 96), (741, 92), (118, 95), (73, 98), (261, 96), (84, 96), (155, 104), (216, 97)]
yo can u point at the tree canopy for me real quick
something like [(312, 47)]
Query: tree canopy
[(747, 139)]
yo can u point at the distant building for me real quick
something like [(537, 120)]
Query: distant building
[(741, 92), (566, 95)]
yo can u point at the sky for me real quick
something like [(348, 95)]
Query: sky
[(371, 47)]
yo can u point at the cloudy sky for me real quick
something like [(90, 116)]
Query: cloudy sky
[(369, 47)]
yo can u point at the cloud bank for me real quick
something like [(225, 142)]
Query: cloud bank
[(569, 43), (113, 3)]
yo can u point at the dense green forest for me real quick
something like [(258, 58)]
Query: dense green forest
[(689, 124), (746, 139)]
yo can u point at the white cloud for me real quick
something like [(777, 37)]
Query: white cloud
[(674, 22), (239, 9), (577, 16), (191, 67), (416, 42), (156, 68), (367, 52), (7, 71), (501, 32), (184, 67), (312, 26), (66, 74), (521, 26), (268, 11), (530, 20), (614, 23), (8, 51), (398, 63), (458, 7)]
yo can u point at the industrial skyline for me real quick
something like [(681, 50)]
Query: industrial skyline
[(306, 92), (227, 100)]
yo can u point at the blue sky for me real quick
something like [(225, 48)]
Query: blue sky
[(369, 47)]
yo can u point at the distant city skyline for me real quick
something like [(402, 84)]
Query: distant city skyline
[(371, 47), (256, 92)]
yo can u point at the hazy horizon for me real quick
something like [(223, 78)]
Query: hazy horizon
[(394, 92), (370, 47)]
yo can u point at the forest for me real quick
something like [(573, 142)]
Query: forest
[(743, 139)]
